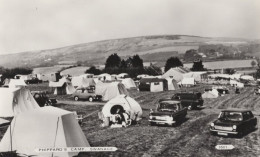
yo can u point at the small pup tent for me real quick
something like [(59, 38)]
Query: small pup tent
[(110, 90), (46, 127), (172, 84), (15, 83), (212, 93), (16, 100), (127, 103), (62, 87), (128, 83), (153, 84)]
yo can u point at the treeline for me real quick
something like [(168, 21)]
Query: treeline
[(133, 66), (10, 73)]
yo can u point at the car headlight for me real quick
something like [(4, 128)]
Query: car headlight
[(151, 117), (234, 127), (212, 124)]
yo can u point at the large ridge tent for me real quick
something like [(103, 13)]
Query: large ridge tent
[(62, 87), (128, 83), (176, 73), (153, 84), (16, 100), (172, 84), (82, 82), (127, 103), (198, 76), (110, 90), (187, 82), (46, 127)]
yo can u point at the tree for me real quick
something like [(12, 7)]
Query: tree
[(93, 70), (172, 62), (137, 62), (191, 55), (113, 61), (123, 64), (253, 63), (198, 66)]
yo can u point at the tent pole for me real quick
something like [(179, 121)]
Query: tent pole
[(11, 137)]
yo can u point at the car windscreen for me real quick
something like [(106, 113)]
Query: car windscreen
[(231, 116), (167, 107)]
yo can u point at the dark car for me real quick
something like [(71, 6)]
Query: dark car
[(42, 99), (86, 94), (34, 80), (233, 122), (168, 112), (191, 100)]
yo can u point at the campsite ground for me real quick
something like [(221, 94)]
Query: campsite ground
[(191, 138)]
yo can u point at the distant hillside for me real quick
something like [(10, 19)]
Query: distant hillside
[(97, 52)]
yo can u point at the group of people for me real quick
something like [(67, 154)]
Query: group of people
[(121, 117)]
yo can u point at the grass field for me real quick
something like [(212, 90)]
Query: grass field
[(191, 138)]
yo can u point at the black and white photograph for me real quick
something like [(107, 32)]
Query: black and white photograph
[(126, 78)]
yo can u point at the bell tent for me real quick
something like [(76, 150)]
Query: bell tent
[(16, 100), (46, 127)]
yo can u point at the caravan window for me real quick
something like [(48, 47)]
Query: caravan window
[(156, 83)]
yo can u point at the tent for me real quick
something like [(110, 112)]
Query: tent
[(187, 82), (105, 77), (62, 87), (172, 84), (247, 77), (129, 105), (16, 100), (82, 82), (210, 94), (110, 90), (3, 122), (142, 76), (236, 83), (128, 83), (176, 73), (148, 84), (198, 76), (46, 127), (122, 76), (15, 83)]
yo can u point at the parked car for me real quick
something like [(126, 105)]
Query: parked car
[(86, 94), (34, 80), (168, 112), (233, 122), (191, 100), (42, 99)]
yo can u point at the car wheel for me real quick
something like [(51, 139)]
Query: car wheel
[(76, 98), (90, 99)]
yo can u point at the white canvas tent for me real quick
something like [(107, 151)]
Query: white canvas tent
[(176, 73), (82, 82), (156, 87), (187, 82), (16, 100), (110, 90), (247, 77), (62, 87), (15, 83), (198, 76), (46, 127), (128, 83), (236, 83), (105, 77), (172, 84), (210, 94), (129, 105)]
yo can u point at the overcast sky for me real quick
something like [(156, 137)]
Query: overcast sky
[(43, 24)]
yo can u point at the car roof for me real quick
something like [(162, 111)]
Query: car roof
[(170, 101), (236, 110)]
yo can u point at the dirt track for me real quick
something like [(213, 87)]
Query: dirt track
[(191, 138)]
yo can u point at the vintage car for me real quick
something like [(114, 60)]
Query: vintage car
[(168, 112), (191, 100), (42, 99), (233, 122), (86, 94)]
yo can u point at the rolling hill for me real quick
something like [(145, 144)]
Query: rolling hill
[(97, 52)]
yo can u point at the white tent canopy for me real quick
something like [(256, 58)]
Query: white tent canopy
[(128, 83), (46, 127), (110, 90), (62, 87), (16, 100), (15, 83), (129, 105)]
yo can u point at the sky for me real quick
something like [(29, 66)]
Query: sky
[(28, 25)]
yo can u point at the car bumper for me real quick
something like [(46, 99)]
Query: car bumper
[(162, 122), (224, 131)]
